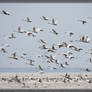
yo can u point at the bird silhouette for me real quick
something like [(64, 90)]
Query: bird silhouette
[(44, 18), (5, 13)]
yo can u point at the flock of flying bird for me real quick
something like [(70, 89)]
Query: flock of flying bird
[(50, 58)]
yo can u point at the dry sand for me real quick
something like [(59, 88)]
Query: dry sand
[(46, 80)]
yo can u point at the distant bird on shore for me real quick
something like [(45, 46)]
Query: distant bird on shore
[(5, 12)]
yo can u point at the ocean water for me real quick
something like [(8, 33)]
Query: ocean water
[(67, 16)]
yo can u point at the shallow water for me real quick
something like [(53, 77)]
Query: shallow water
[(67, 16)]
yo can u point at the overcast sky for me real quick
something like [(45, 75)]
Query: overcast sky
[(67, 16)]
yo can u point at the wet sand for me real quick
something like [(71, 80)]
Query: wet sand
[(46, 80)]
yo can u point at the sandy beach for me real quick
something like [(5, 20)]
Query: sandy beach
[(46, 80)]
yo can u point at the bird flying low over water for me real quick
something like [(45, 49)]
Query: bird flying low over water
[(5, 13)]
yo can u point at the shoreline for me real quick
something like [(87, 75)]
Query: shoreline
[(46, 80)]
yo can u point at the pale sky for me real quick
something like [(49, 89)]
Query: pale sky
[(67, 16)]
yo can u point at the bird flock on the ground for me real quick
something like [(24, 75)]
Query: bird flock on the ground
[(49, 58)]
